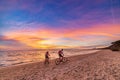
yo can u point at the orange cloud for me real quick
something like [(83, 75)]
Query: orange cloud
[(49, 38), (104, 30)]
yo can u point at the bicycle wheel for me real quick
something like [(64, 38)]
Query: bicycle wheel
[(57, 61), (64, 59)]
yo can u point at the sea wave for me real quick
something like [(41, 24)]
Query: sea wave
[(9, 58)]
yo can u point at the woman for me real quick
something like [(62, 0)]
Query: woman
[(47, 57)]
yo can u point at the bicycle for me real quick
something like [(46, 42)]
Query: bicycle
[(63, 60)]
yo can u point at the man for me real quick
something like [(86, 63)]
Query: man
[(60, 53), (47, 57)]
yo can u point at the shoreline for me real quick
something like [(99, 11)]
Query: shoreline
[(51, 58), (100, 63)]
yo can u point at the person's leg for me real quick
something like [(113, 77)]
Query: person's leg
[(60, 57), (45, 61), (48, 60)]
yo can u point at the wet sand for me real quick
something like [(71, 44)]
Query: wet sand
[(101, 65)]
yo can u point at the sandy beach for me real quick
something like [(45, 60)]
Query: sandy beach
[(101, 65)]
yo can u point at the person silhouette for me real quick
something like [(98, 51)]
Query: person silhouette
[(60, 54), (47, 57)]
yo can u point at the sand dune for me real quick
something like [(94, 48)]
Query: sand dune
[(102, 65)]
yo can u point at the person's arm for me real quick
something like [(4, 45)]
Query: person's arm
[(62, 54), (48, 54)]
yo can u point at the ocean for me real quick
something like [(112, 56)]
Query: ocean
[(16, 57)]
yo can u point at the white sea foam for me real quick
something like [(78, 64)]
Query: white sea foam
[(9, 58)]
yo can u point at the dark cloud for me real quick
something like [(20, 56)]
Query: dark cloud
[(4, 38), (4, 41)]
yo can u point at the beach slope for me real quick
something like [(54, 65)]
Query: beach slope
[(102, 65)]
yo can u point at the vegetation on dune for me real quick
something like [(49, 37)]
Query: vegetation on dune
[(115, 46)]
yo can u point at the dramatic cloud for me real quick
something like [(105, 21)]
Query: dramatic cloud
[(59, 23), (7, 43)]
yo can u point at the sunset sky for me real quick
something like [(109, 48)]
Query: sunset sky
[(26, 24)]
